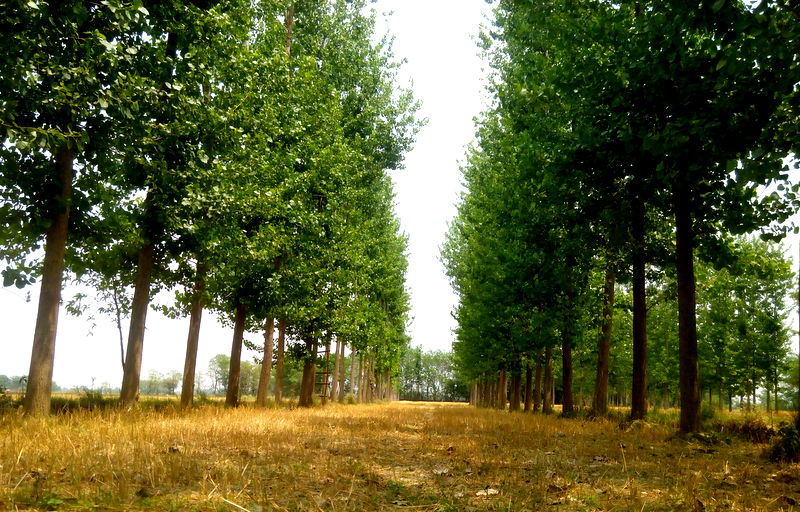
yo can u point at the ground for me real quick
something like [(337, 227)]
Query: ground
[(392, 456)]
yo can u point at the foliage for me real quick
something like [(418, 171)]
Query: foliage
[(786, 447), (430, 376)]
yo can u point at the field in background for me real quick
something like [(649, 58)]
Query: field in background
[(397, 456)]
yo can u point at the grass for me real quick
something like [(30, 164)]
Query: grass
[(395, 456)]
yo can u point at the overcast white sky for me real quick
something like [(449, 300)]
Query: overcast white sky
[(437, 39)]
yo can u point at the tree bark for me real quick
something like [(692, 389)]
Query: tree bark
[(502, 390), (353, 372), (309, 372), (129, 393), (537, 387), (337, 366), (40, 373), (266, 363), (235, 373), (567, 403), (547, 399), (193, 338), (341, 392), (279, 361), (528, 386), (687, 321), (325, 369), (639, 383), (516, 381), (600, 398)]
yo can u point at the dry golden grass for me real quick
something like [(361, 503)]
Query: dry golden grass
[(398, 456)]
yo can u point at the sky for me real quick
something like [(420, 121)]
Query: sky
[(437, 40)]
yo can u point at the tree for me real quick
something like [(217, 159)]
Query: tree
[(60, 76)]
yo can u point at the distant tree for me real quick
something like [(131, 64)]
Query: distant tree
[(218, 368)]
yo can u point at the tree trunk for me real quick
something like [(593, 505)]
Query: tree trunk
[(279, 361), (326, 362), (40, 373), (639, 384), (266, 363), (309, 372), (528, 386), (537, 387), (687, 321), (341, 392), (516, 382), (353, 372), (337, 366), (567, 405), (502, 390), (547, 399), (234, 373), (193, 338), (567, 335), (129, 392), (600, 398)]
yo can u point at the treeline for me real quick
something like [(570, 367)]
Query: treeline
[(233, 152), (430, 376), (630, 149)]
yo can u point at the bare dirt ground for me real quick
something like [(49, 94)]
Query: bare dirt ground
[(397, 456)]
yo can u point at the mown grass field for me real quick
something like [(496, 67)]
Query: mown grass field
[(395, 456)]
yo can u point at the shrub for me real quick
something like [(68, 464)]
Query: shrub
[(787, 443), (752, 429), (6, 402)]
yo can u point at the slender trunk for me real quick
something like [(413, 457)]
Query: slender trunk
[(547, 400), (118, 314), (516, 382), (341, 393), (266, 363), (337, 363), (279, 368), (234, 373), (537, 386), (600, 399), (502, 390), (193, 338), (40, 374), (639, 384), (129, 392), (309, 371), (353, 372), (687, 321), (567, 405), (528, 386), (326, 362), (567, 335)]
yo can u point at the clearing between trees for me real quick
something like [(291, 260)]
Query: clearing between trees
[(389, 456)]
